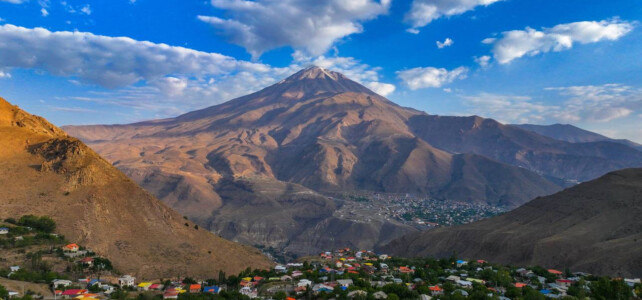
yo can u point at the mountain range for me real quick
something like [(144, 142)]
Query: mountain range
[(592, 227), (259, 169), (570, 133), (43, 171)]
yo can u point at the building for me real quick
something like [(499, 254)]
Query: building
[(61, 283), (71, 248), (4, 230), (126, 280)]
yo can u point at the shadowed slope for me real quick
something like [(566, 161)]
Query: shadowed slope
[(592, 227)]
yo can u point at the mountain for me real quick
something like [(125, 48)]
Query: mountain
[(570, 133), (45, 172), (593, 227), (571, 162), (314, 132)]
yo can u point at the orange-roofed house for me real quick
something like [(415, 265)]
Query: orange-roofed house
[(436, 290), (553, 271), (258, 278), (194, 288), (405, 270), (71, 248), (520, 285)]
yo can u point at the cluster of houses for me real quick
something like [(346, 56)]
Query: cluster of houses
[(337, 270), (356, 274)]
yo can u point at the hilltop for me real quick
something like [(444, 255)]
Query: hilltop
[(43, 171)]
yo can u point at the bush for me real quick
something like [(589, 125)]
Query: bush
[(43, 224)]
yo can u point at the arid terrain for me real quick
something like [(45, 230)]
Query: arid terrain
[(45, 172), (594, 226)]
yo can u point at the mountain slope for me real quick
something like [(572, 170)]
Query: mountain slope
[(45, 172), (519, 147), (314, 131), (594, 227), (316, 128), (570, 133)]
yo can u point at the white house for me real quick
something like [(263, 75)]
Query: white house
[(345, 282), (61, 283), (304, 282), (126, 280), (4, 230), (14, 268), (280, 268)]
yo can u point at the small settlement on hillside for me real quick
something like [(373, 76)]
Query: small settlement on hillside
[(346, 274)]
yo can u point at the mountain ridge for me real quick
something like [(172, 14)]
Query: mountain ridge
[(592, 227), (97, 206), (319, 131)]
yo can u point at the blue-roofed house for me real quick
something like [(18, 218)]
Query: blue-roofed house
[(212, 289)]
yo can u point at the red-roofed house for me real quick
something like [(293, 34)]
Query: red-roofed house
[(564, 282), (520, 285)]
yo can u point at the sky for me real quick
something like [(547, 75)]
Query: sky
[(517, 61)]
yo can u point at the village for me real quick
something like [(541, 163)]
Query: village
[(345, 274), (70, 271), (419, 211)]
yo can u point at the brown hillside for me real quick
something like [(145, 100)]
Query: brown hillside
[(593, 227), (45, 172)]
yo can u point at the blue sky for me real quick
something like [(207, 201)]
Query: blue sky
[(518, 61)]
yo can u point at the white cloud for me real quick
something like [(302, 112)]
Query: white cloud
[(483, 61), (518, 43), (601, 103), (86, 9), (423, 12), (430, 77), (383, 89), (447, 43), (44, 12), (14, 1), (4, 75), (507, 108), (108, 61), (168, 80), (309, 25), (583, 104)]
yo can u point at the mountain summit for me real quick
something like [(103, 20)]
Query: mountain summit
[(319, 131)]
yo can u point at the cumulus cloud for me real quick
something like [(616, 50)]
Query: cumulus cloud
[(108, 61), (518, 43), (383, 89), (483, 61), (4, 75), (86, 9), (588, 103), (430, 77), (601, 103), (160, 78), (446, 43), (309, 25), (423, 12)]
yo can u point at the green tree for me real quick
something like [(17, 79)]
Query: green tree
[(3, 292), (607, 289), (392, 297)]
